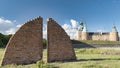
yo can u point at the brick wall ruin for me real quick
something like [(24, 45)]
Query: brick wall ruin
[(26, 44), (59, 44)]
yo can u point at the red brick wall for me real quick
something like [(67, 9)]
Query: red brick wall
[(59, 45), (26, 44)]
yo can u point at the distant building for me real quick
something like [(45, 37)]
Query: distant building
[(83, 34)]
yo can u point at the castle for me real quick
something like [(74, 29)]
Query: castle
[(83, 34)]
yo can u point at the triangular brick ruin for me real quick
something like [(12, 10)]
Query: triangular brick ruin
[(26, 44), (59, 45)]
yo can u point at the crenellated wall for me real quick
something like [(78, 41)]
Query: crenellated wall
[(109, 36), (98, 36)]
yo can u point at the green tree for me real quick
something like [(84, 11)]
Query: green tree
[(4, 39), (44, 43)]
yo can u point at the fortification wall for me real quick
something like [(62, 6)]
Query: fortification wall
[(114, 36), (110, 36), (84, 36), (99, 37), (78, 35)]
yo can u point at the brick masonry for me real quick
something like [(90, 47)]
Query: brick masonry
[(25, 46), (59, 45)]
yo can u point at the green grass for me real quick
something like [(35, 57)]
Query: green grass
[(1, 53), (86, 58), (94, 42)]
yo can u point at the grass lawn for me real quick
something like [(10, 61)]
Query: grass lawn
[(94, 42), (86, 58)]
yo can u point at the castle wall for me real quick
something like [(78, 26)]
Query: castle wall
[(99, 36), (78, 35), (84, 36), (114, 36), (110, 36), (104, 37)]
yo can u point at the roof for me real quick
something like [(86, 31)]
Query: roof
[(114, 29)]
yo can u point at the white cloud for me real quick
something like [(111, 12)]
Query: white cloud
[(5, 24), (44, 31), (13, 29), (74, 23), (70, 29), (3, 21), (10, 31), (8, 26), (66, 26), (19, 25)]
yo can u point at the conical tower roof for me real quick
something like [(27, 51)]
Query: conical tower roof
[(114, 28), (80, 27), (85, 28)]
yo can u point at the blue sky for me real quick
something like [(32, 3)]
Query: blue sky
[(98, 14)]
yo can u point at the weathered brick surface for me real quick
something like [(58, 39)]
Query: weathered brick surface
[(25, 46), (59, 45)]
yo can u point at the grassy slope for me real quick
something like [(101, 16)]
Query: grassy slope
[(94, 58), (86, 58)]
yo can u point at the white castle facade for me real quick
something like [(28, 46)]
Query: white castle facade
[(83, 34)]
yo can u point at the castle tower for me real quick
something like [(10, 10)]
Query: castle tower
[(79, 31), (114, 34), (84, 33)]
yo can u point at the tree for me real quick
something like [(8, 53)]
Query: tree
[(4, 39)]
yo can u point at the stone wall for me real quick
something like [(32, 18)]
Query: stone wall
[(78, 35), (84, 36), (59, 45), (110, 36), (25, 46), (99, 37), (114, 36)]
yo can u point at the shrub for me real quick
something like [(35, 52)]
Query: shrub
[(39, 64)]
